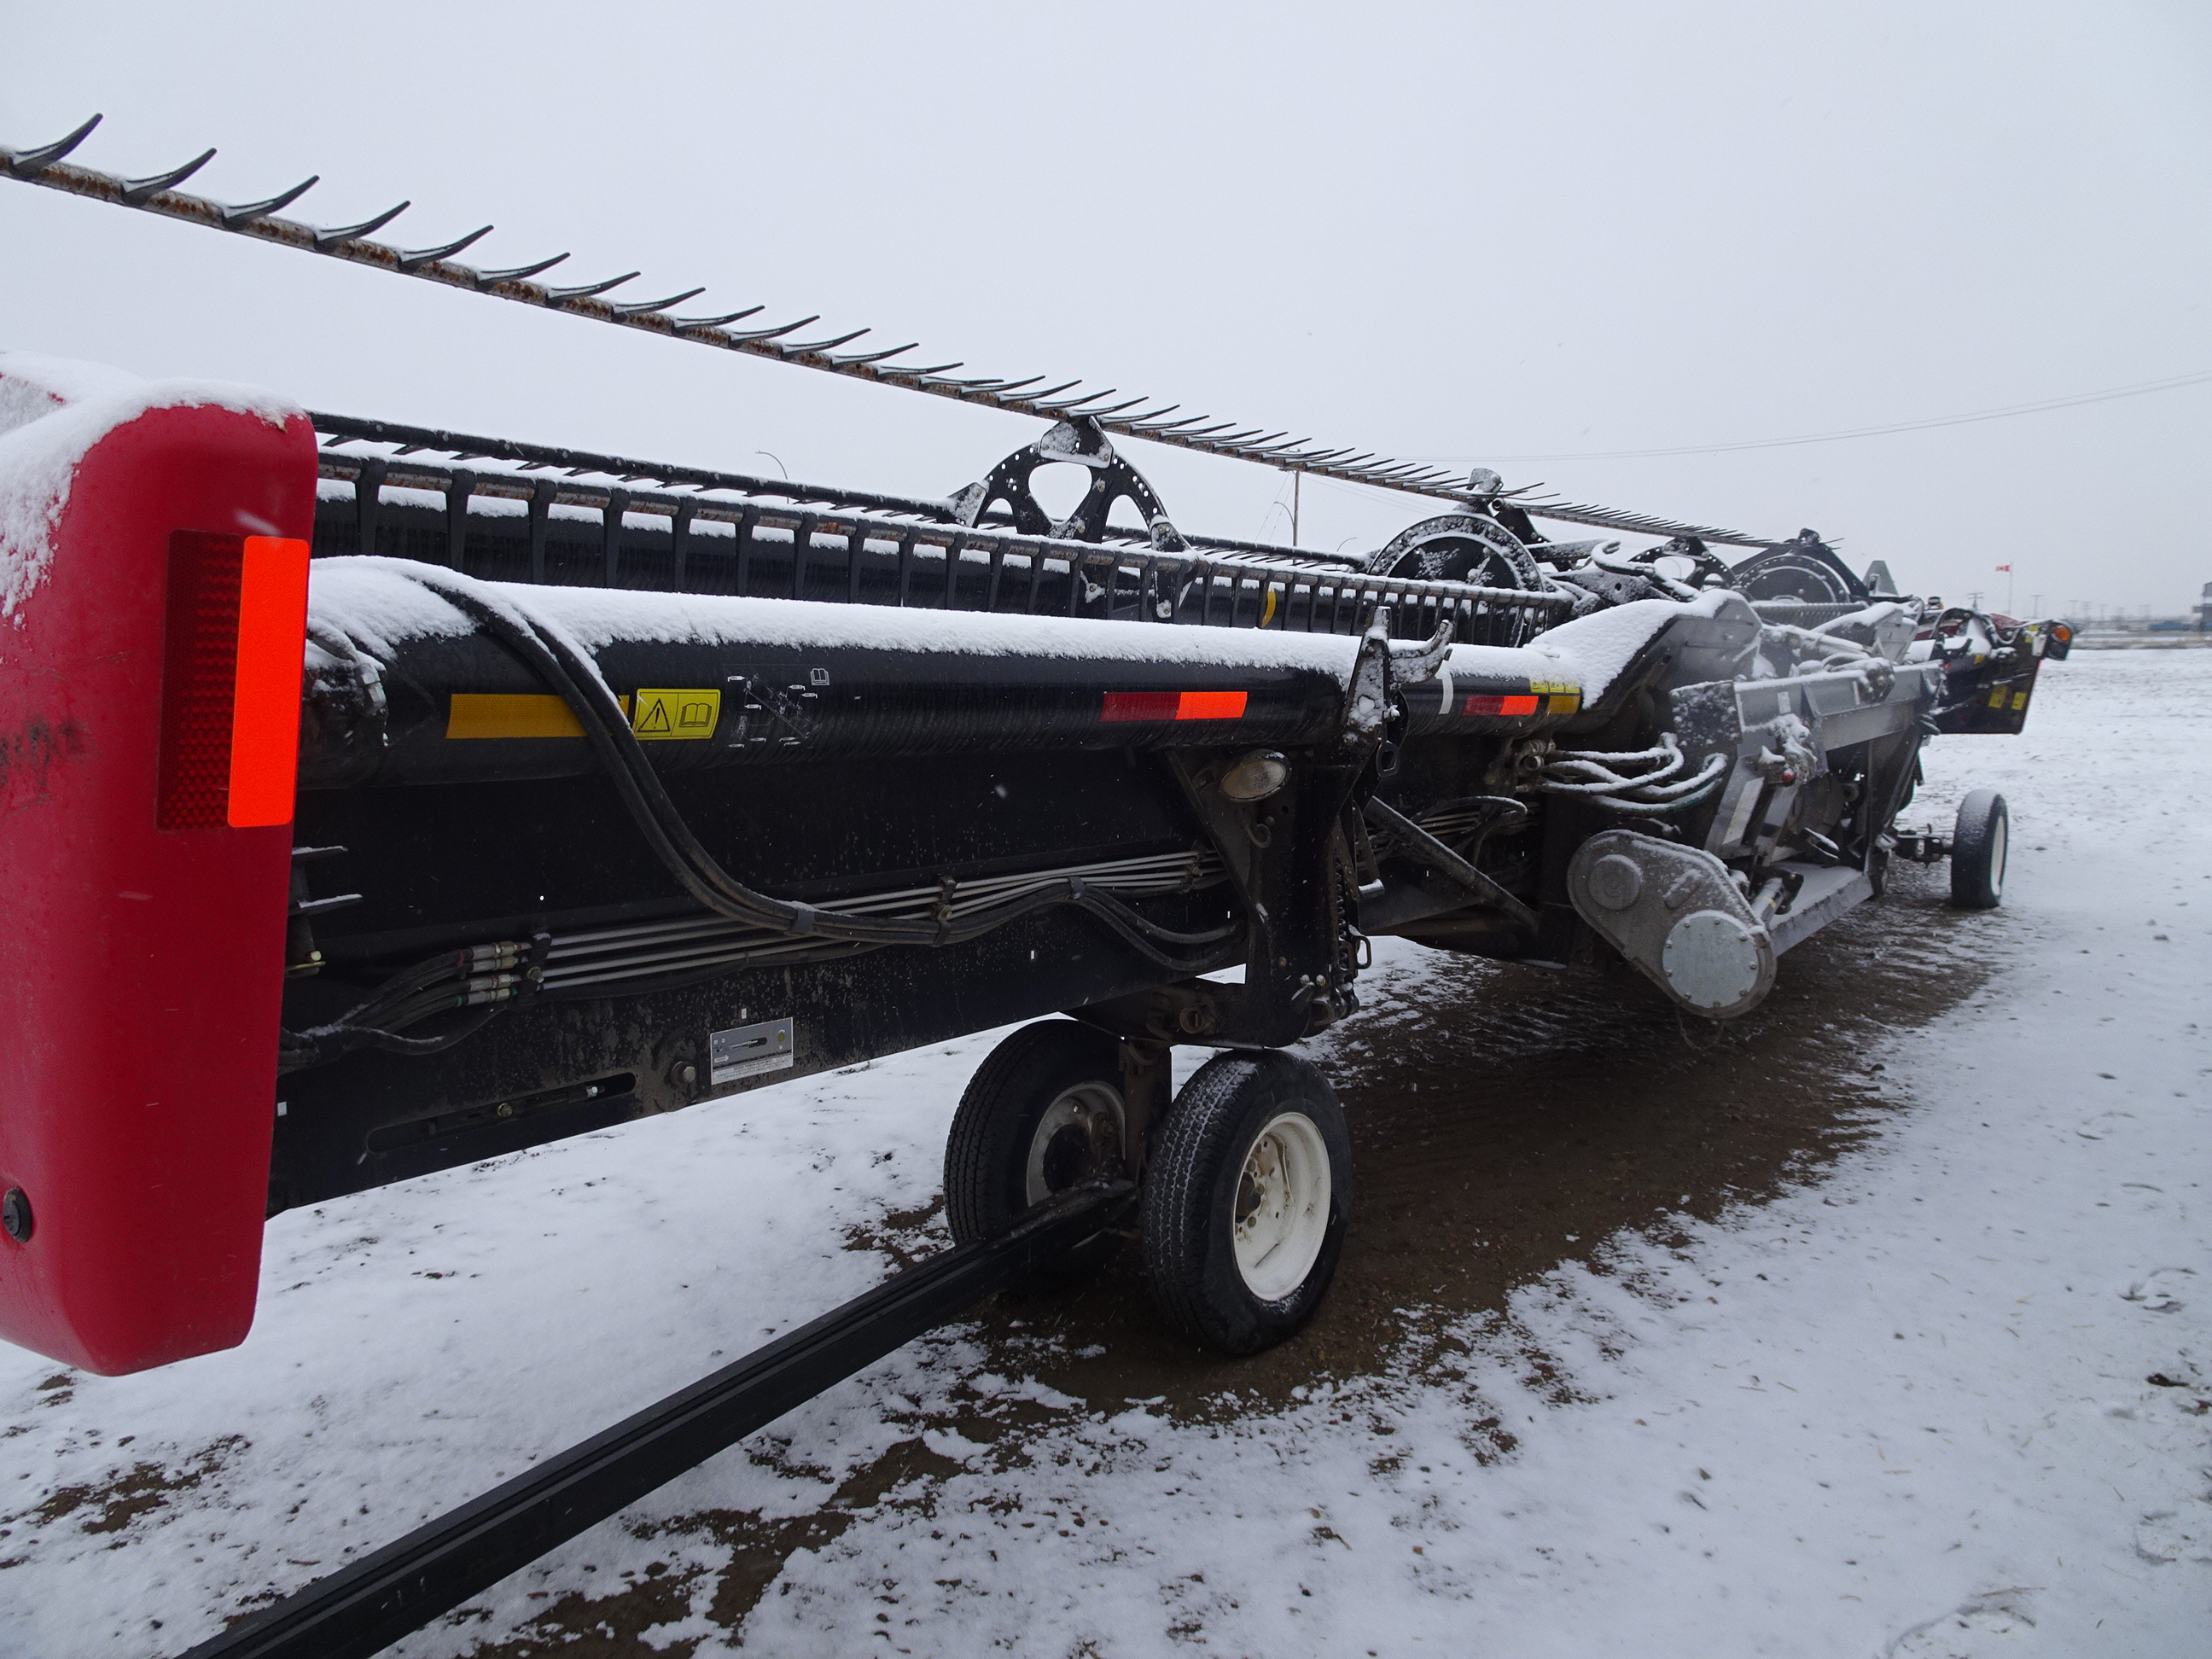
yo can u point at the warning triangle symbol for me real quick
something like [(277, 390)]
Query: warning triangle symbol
[(656, 718)]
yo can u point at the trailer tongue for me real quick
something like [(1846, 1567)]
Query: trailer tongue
[(607, 789)]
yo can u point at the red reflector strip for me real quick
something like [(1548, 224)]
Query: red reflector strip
[(1173, 705), (199, 677), (264, 714), (1480, 704), (1140, 705), (237, 613)]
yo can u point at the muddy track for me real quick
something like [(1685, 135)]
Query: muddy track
[(1506, 1121)]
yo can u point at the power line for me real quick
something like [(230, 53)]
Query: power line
[(2136, 391)]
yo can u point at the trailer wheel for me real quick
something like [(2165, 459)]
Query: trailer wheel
[(1978, 845), (1042, 1113), (1246, 1197)]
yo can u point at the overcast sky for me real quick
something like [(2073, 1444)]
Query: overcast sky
[(1461, 231)]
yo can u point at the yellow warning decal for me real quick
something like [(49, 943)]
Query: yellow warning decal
[(2018, 701), (1997, 698), (1556, 689), (1563, 703), (662, 715)]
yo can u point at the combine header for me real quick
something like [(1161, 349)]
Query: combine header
[(379, 799)]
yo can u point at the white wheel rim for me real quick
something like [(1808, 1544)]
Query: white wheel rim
[(1282, 1206), (1092, 1111), (2000, 832)]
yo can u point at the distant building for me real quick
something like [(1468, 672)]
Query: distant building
[(2204, 611)]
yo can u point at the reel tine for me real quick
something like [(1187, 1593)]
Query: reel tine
[(872, 357), (1035, 398), (519, 273), (1069, 403), (326, 240), (646, 307), (796, 347), (421, 257), (588, 289), (139, 191), (30, 163), (232, 217), (717, 322), (774, 333)]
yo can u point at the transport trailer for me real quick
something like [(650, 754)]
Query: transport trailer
[(375, 800)]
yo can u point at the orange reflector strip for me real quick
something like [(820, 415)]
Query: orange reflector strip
[(264, 710), (1480, 704), (1210, 706), (1173, 705)]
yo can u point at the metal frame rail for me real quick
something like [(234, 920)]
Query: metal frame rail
[(44, 165), (465, 447), (928, 564), (368, 1605)]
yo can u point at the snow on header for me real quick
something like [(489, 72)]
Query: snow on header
[(1593, 650), (52, 411), (379, 603)]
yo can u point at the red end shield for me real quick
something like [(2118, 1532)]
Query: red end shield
[(150, 699)]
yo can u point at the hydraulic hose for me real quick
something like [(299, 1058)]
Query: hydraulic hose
[(570, 672)]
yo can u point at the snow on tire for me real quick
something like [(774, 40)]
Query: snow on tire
[(1247, 1193)]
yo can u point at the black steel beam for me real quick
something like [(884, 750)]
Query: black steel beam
[(402, 1587)]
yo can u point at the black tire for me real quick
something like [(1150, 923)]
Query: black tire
[(1002, 1156), (1196, 1182), (1979, 845)]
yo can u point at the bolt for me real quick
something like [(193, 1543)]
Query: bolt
[(16, 1214), (689, 1074)]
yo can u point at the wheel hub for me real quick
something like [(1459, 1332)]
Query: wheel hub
[(1281, 1207), (1079, 1137)]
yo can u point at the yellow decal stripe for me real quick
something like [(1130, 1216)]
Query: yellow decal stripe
[(504, 714), (476, 715)]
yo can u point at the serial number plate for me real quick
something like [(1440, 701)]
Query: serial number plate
[(745, 1051)]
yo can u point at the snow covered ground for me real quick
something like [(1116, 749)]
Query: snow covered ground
[(1945, 1394)]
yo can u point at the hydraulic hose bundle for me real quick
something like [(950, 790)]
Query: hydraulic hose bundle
[(492, 975), (1657, 789)]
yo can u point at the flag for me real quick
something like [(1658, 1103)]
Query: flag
[(2004, 567)]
